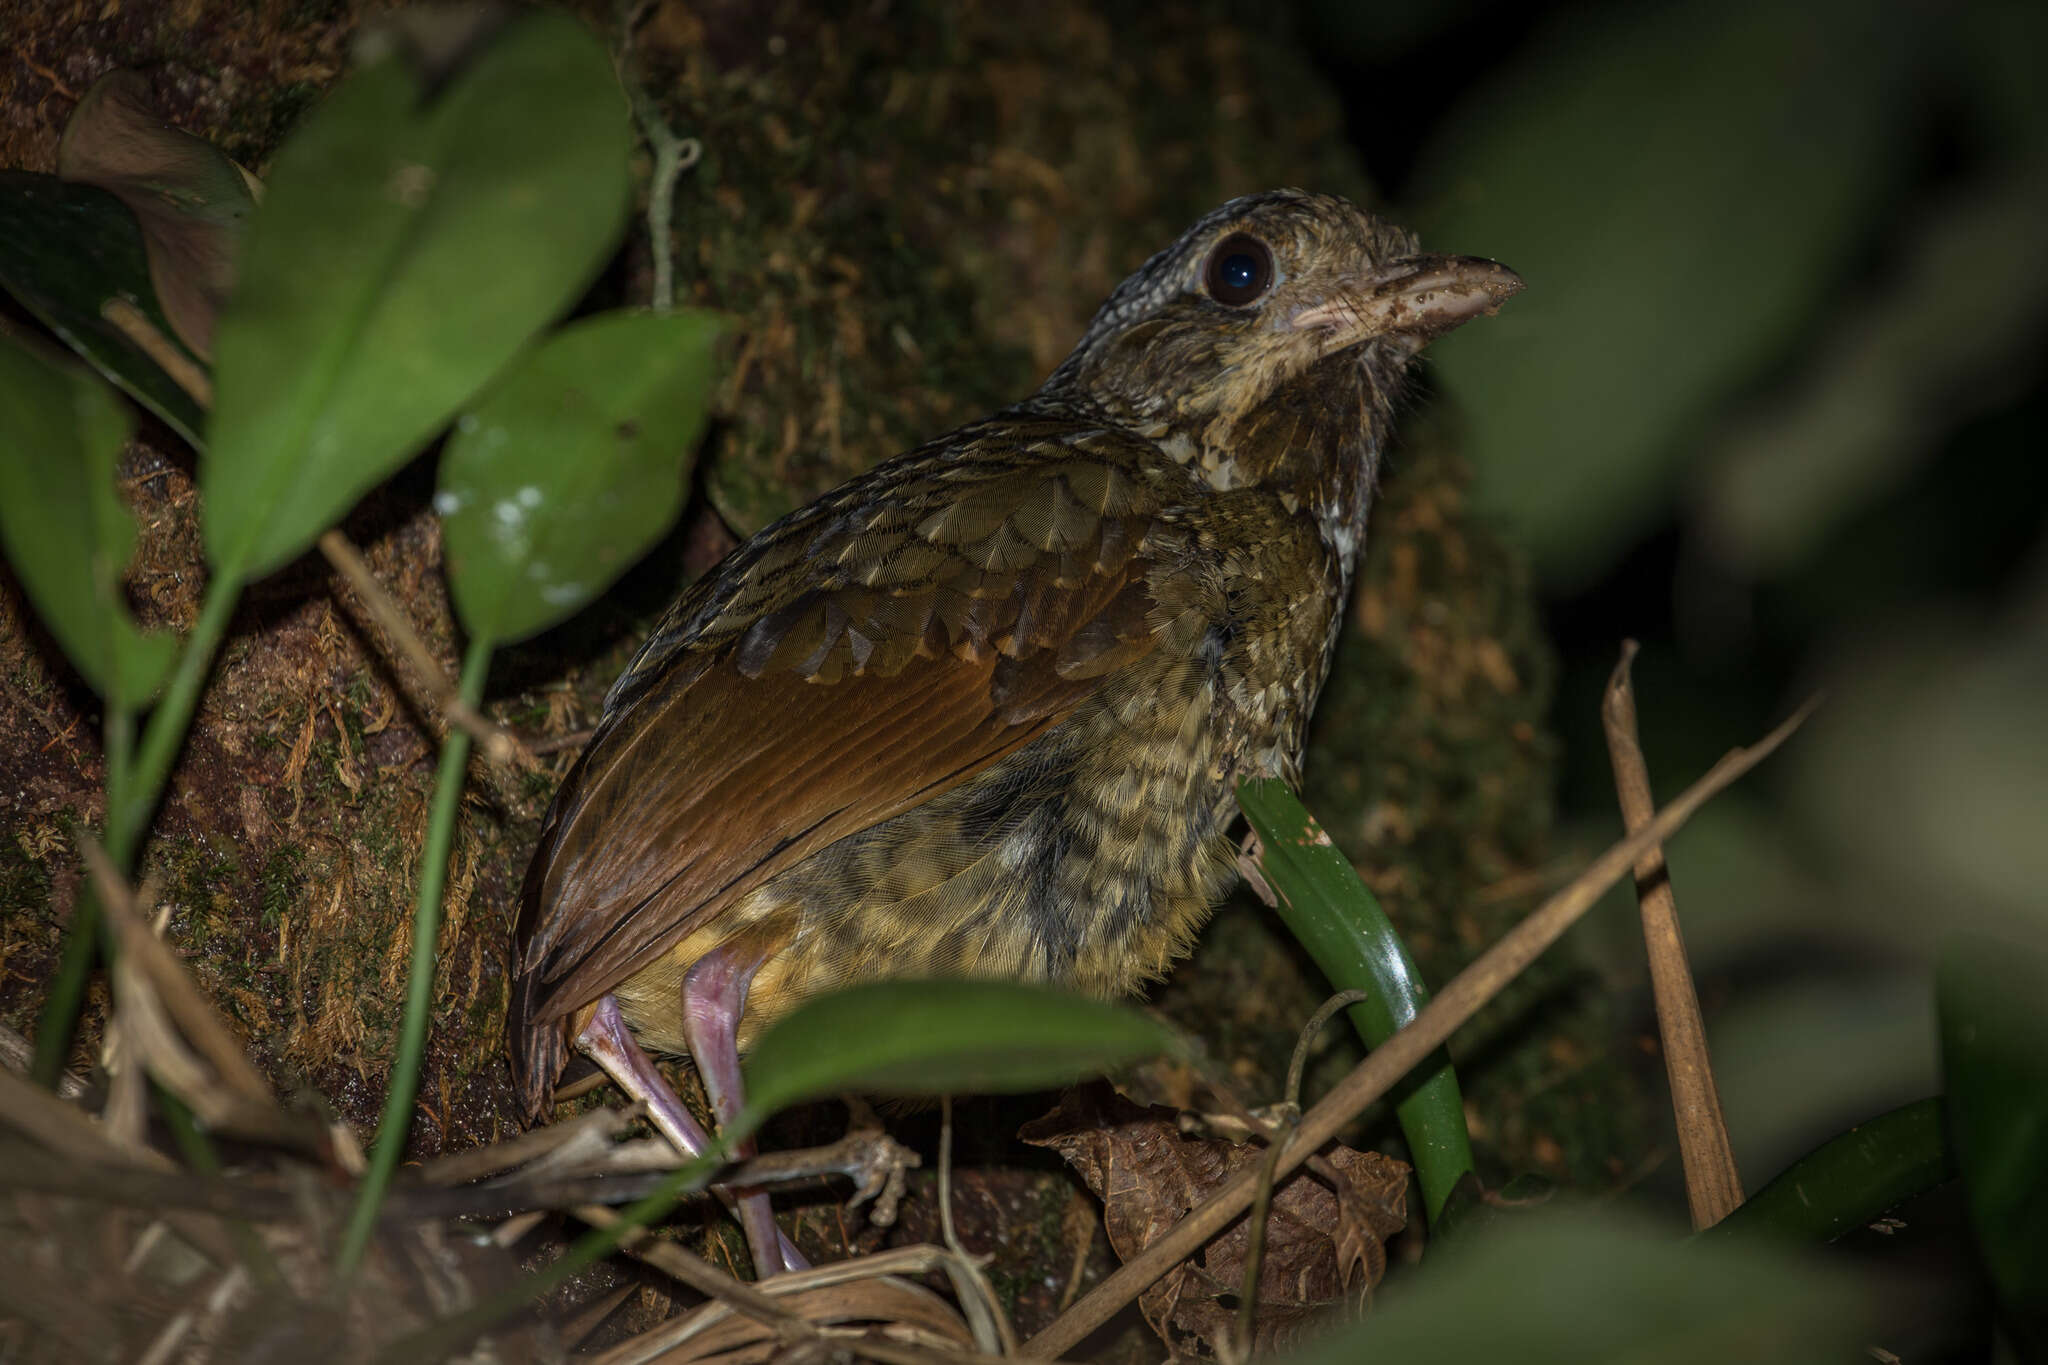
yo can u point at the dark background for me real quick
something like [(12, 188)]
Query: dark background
[(1773, 405)]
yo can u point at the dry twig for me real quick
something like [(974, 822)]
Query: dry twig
[(1713, 1187), (497, 744)]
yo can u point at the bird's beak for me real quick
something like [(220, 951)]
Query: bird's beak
[(1418, 298)]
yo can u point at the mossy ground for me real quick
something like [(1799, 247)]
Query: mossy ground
[(910, 222)]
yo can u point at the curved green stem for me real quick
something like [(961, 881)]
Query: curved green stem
[(1850, 1179), (135, 783), (1339, 921), (118, 738), (165, 734), (419, 990)]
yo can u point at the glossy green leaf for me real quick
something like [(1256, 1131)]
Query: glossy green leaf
[(1670, 259), (573, 463), (404, 253), (1993, 1000), (64, 251), (944, 1037), (1339, 921), (1576, 1288), (1849, 1180), (67, 533)]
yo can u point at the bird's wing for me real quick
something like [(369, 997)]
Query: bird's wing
[(871, 652)]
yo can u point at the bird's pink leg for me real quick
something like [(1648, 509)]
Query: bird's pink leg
[(714, 997), (607, 1041)]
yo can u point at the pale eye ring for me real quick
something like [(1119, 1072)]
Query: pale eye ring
[(1239, 271)]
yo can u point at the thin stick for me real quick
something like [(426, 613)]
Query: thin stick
[(132, 323), (672, 156), (1713, 1187), (992, 1330), (1240, 1340), (1467, 993), (702, 1276), (478, 1162), (575, 739), (498, 744), (1262, 1201), (1298, 1064)]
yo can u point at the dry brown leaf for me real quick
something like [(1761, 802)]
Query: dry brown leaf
[(190, 200), (1322, 1246)]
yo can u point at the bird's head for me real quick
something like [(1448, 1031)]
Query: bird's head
[(1272, 337)]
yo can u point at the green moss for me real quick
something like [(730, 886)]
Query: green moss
[(28, 926), (282, 881), (24, 880)]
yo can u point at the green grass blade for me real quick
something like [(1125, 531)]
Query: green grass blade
[(1342, 926)]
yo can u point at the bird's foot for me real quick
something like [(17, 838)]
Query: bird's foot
[(607, 1041)]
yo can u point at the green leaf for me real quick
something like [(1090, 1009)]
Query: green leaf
[(1849, 1180), (1670, 259), (404, 252), (1579, 1289), (944, 1037), (67, 533), (573, 463), (64, 251), (1339, 921), (1994, 1050)]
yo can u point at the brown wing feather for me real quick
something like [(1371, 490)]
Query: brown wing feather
[(937, 631)]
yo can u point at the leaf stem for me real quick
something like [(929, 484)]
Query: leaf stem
[(419, 996), (165, 734), (118, 735), (134, 784)]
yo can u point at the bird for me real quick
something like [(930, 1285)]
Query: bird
[(981, 710)]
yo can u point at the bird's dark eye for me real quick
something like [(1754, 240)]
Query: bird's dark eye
[(1240, 269)]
